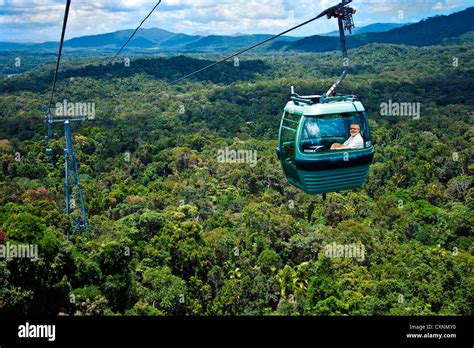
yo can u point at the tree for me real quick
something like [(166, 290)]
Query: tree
[(164, 291)]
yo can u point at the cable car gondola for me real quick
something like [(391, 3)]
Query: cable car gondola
[(324, 140)]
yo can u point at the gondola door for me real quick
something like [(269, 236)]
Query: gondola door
[(287, 145)]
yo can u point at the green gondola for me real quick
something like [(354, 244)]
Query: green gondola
[(324, 141), (308, 129)]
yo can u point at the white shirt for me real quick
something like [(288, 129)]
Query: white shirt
[(355, 142)]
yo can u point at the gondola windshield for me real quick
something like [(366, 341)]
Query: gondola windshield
[(319, 134)]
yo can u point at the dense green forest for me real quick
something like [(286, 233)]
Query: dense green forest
[(175, 232)]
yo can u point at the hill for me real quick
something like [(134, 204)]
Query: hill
[(431, 31), (154, 38), (371, 28)]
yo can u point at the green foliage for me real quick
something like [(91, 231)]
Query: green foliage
[(162, 290), (175, 232), (25, 228), (88, 301)]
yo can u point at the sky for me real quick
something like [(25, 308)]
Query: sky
[(41, 20)]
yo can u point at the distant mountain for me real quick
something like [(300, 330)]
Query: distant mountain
[(224, 43), (431, 31), (371, 28), (180, 41), (13, 46), (145, 38), (153, 38)]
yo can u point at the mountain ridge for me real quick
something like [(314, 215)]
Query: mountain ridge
[(370, 28), (430, 31)]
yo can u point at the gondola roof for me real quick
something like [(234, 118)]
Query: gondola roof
[(323, 106)]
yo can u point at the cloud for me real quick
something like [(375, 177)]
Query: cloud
[(448, 5), (41, 20)]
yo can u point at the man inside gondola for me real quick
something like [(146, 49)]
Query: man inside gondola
[(355, 141)]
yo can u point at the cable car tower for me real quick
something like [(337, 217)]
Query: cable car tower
[(75, 207)]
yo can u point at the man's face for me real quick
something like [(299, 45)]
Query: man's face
[(313, 129), (355, 129)]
